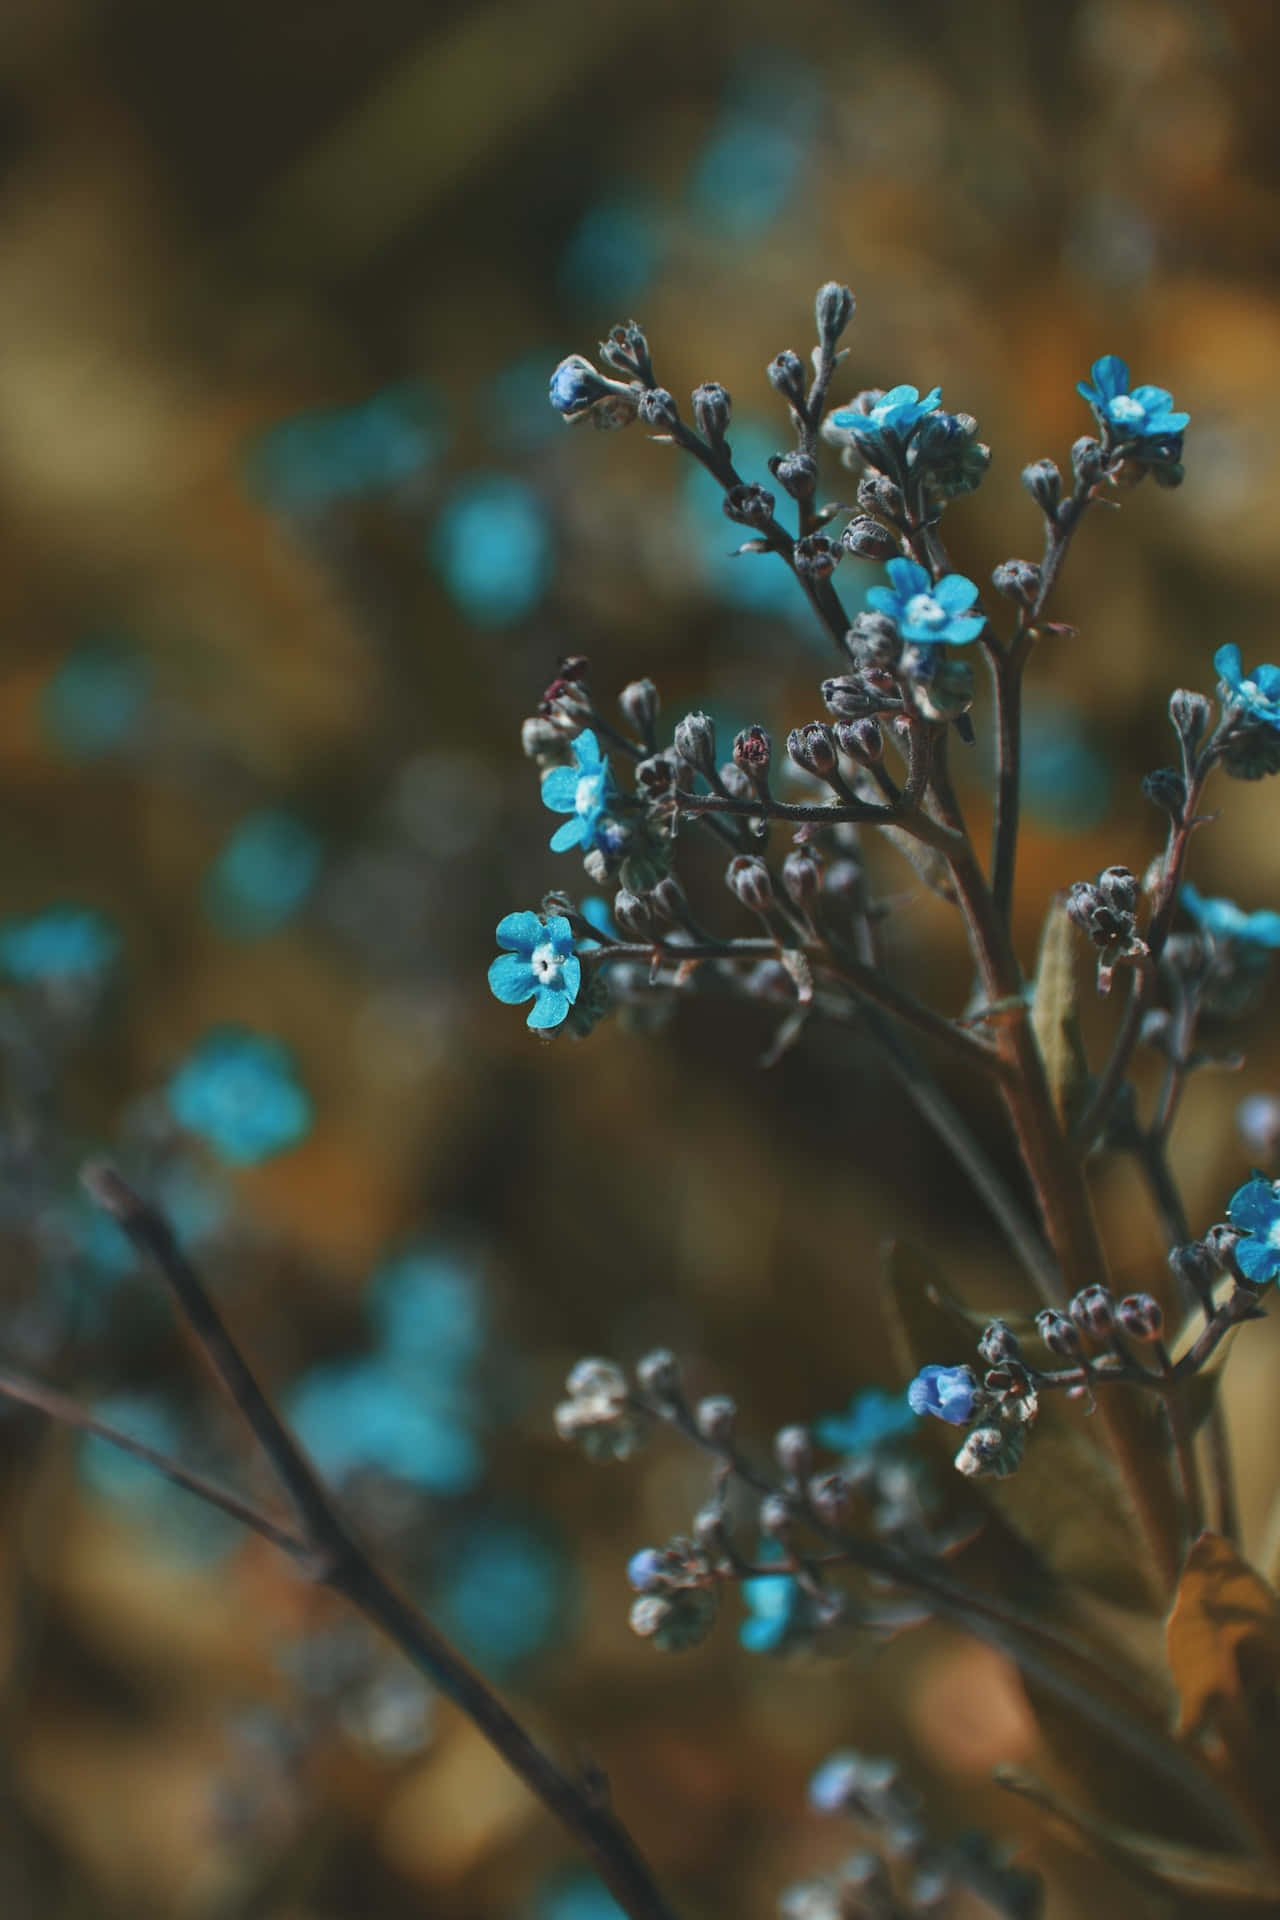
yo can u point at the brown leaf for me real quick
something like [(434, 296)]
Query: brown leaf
[(1223, 1639)]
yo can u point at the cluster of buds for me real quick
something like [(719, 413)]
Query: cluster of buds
[(599, 1413), (1106, 909), (1006, 1405), (677, 1599)]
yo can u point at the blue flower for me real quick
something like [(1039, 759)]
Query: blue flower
[(316, 460), (926, 614), (889, 422), (772, 1601), (364, 1415), (540, 965), (946, 1392), (576, 1896), (583, 790), (874, 1417), (263, 873), (613, 253), (747, 172), (1255, 1209), (597, 912), (575, 384), (646, 1570), (1259, 694), (1224, 920), (836, 1782), (63, 946), (1145, 414), (94, 701), (503, 1594), (240, 1092), (426, 1311), (492, 549)]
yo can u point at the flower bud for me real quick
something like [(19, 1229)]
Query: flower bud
[(1087, 461), (1258, 1123), (796, 473), (786, 376), (658, 1373), (751, 505), (813, 749), (866, 539), (881, 496), (695, 742), (861, 740), (715, 1418), (1044, 483), (989, 1450), (752, 754), (1093, 1311), (539, 735), (1018, 580), (748, 877), (776, 1517), (1167, 789), (830, 1496), (712, 410), (793, 1450), (1220, 1244), (633, 914), (1119, 889), (1140, 1316), (676, 1620), (874, 641), (709, 1529), (815, 557), (1058, 1333), (646, 1570), (833, 310), (639, 704), (668, 901), (658, 409), (999, 1342), (801, 876), (1190, 714), (1195, 1269)]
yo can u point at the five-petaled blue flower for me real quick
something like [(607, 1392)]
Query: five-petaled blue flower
[(945, 1392), (1255, 1209), (890, 421), (1224, 920), (1258, 694), (583, 791), (1145, 414), (574, 385), (64, 945), (873, 1419), (540, 964), (926, 614), (240, 1091)]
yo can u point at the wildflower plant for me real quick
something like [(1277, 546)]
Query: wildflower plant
[(840, 1530)]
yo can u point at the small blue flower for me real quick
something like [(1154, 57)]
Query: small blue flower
[(263, 874), (427, 1311), (1255, 1209), (583, 790), (598, 913), (890, 422), (1224, 920), (772, 1601), (1259, 694), (614, 252), (240, 1091), (926, 614), (316, 460), (365, 1415), (1145, 414), (504, 1593), (646, 1569), (874, 1418), (540, 965), (95, 700), (492, 547), (63, 946), (945, 1392)]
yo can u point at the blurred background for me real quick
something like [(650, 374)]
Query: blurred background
[(290, 543)]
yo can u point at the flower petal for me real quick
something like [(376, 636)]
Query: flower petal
[(884, 600), (1110, 375), (1155, 400), (1253, 1206), (567, 835), (586, 751), (558, 931), (908, 578), (560, 789), (1228, 665), (549, 1009), (571, 974), (1262, 928), (1257, 1261), (955, 593), (960, 632), (511, 979), (522, 931)]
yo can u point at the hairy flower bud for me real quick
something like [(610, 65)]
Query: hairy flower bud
[(813, 749), (1093, 1311), (633, 914), (1167, 789), (830, 1496), (712, 410), (1119, 889), (861, 740), (695, 742), (658, 1373), (1018, 580), (1190, 714), (801, 876), (796, 473), (751, 505), (881, 496), (999, 1342), (786, 376), (639, 704), (1044, 483), (775, 1517), (793, 1450), (659, 410), (1058, 1334), (667, 899), (1140, 1316), (1087, 461), (833, 310), (816, 557), (752, 755), (715, 1418), (748, 877)]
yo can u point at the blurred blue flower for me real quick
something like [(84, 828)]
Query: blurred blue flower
[(540, 965), (427, 1311), (945, 1392), (874, 1418), (646, 1569), (1255, 1209), (613, 253), (502, 1593), (263, 873), (1259, 694), (240, 1092), (1145, 414), (1224, 920), (62, 946), (576, 1896), (1066, 777), (889, 423), (369, 1416), (835, 1782), (926, 614), (322, 458), (772, 1601), (179, 1523), (492, 548), (94, 701), (584, 791), (747, 172)]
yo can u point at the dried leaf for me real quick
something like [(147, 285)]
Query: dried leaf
[(1055, 1013), (1223, 1640), (1192, 1873)]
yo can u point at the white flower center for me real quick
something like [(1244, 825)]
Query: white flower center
[(923, 611), (546, 965), (587, 796), (1126, 411)]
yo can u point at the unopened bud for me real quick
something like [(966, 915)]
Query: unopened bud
[(866, 539), (1086, 461), (830, 1496), (833, 310), (1140, 1316), (539, 735), (695, 742), (712, 410), (633, 914), (748, 877), (793, 1450), (752, 754), (1189, 713), (715, 1419), (1119, 889), (709, 1529), (813, 749), (1220, 1244), (667, 899), (786, 376), (796, 473), (801, 876), (776, 1518), (861, 740), (751, 505), (999, 1342), (1167, 789), (1018, 580), (1044, 483), (639, 704), (1093, 1311), (658, 409), (1058, 1334), (658, 1373), (881, 496)]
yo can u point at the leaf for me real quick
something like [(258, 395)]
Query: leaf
[(1223, 1641), (1055, 1013), (1237, 1879)]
